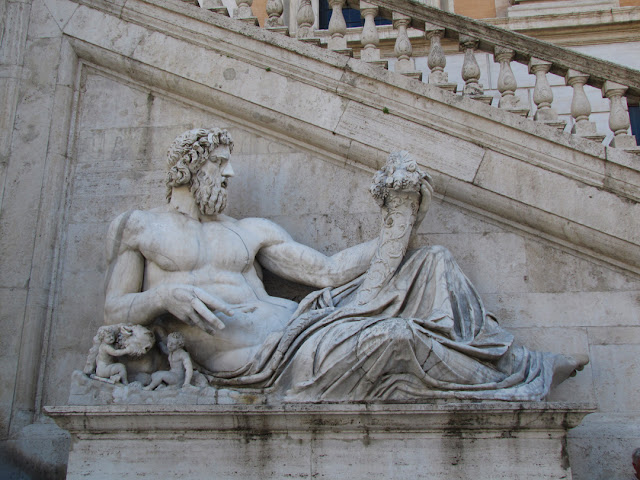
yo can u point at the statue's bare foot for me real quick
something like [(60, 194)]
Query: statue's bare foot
[(567, 366)]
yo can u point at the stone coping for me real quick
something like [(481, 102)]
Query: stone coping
[(438, 417)]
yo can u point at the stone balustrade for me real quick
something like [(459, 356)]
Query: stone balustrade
[(414, 22)]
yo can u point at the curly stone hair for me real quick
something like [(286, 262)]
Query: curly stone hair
[(177, 337), (189, 151)]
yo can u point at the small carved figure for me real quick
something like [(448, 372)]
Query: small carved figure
[(116, 341), (181, 368), (636, 462), (105, 368)]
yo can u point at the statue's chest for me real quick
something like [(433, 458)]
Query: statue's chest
[(193, 246)]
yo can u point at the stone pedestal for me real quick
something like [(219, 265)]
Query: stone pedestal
[(357, 441)]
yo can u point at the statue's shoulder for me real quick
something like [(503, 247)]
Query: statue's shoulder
[(259, 224), (131, 224), (133, 220), (267, 230)]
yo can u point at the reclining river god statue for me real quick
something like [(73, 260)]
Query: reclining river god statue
[(384, 325)]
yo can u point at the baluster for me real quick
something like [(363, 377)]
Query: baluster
[(543, 95), (305, 18), (337, 28), (403, 49), (215, 6), (275, 23), (581, 107), (370, 38), (245, 13), (507, 83), (619, 122), (471, 71), (437, 60)]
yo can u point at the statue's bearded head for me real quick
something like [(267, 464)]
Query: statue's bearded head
[(200, 159)]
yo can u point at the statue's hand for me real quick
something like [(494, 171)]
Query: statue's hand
[(194, 306), (426, 193)]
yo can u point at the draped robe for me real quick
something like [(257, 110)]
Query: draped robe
[(425, 335)]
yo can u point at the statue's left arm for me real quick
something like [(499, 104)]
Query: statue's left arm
[(188, 369), (293, 261)]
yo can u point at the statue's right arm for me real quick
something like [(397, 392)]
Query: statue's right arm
[(125, 301)]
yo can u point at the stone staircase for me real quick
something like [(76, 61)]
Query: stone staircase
[(528, 171), (542, 58)]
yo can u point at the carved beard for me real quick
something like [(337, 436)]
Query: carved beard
[(209, 192)]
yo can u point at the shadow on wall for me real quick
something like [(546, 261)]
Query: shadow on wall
[(16, 466), (634, 115), (39, 452)]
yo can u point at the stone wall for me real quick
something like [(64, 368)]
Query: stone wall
[(88, 138)]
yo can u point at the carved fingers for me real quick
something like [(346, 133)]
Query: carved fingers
[(426, 192), (194, 306), (207, 314), (213, 302), (426, 183)]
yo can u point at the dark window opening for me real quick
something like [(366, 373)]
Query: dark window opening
[(634, 115), (351, 17)]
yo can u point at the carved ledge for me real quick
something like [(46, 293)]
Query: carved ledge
[(328, 440), (466, 416)]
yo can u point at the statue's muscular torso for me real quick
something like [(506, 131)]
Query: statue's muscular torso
[(218, 257)]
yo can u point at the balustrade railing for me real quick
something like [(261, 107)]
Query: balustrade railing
[(413, 21)]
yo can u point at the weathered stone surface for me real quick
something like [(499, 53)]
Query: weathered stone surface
[(604, 444), (13, 301), (616, 364), (323, 441)]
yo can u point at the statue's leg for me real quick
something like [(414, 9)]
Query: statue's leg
[(120, 369), (388, 351), (156, 379)]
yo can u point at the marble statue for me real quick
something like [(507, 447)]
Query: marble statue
[(116, 341), (384, 325), (181, 368)]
